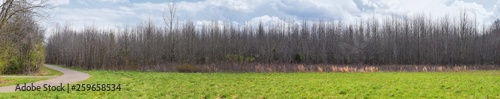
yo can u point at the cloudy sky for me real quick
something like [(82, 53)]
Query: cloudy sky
[(118, 13)]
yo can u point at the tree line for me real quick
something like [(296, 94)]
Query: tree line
[(21, 49), (409, 40)]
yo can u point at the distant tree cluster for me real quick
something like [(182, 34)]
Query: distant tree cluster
[(21, 49), (416, 40)]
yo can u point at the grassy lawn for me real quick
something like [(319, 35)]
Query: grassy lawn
[(471, 84), (44, 72), (14, 81), (49, 72)]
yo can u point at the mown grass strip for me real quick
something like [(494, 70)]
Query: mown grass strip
[(14, 81), (46, 73)]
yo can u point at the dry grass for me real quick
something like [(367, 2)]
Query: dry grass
[(424, 69), (460, 68), (3, 81), (188, 68), (301, 68), (320, 69), (259, 68), (269, 69), (440, 68), (370, 69), (256, 67), (353, 69)]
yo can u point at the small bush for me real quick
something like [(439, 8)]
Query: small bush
[(320, 69), (259, 68), (335, 69), (372, 69), (440, 68), (301, 68), (424, 69), (346, 69), (188, 69), (239, 58), (298, 58), (14, 67), (460, 68), (269, 69)]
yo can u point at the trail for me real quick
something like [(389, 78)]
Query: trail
[(69, 76)]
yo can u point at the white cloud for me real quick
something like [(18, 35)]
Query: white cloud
[(309, 9), (253, 11), (58, 2), (233, 5), (113, 1), (150, 6), (433, 8), (496, 10), (265, 20), (78, 18)]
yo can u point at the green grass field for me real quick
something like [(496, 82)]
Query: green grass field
[(471, 84)]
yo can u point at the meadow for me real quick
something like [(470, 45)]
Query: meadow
[(134, 84)]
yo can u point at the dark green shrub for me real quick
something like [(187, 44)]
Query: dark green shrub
[(298, 58), (239, 58), (275, 54), (14, 67), (4, 57)]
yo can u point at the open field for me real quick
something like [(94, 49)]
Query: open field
[(234, 49), (469, 84)]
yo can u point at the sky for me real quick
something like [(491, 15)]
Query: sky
[(115, 14)]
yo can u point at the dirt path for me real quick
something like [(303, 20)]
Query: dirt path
[(69, 76)]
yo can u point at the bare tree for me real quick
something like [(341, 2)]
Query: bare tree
[(170, 15), (416, 40), (11, 8), (170, 18), (21, 49)]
